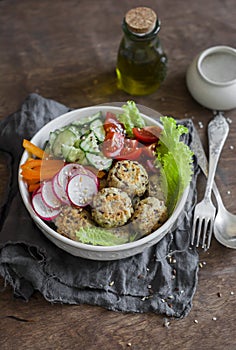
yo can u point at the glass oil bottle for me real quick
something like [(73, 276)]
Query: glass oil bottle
[(141, 62)]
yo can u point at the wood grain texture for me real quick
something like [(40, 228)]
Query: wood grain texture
[(66, 50)]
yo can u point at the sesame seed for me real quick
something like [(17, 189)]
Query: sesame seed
[(195, 321), (214, 318), (231, 293), (111, 283)]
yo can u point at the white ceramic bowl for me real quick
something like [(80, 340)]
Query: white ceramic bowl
[(211, 78), (77, 248)]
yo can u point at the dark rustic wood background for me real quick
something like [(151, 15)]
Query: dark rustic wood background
[(66, 50)]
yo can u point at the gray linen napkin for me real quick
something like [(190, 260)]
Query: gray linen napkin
[(162, 279)]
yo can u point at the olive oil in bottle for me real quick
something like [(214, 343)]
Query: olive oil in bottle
[(141, 61)]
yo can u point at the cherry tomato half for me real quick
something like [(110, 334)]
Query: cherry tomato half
[(148, 134), (130, 151), (112, 124), (113, 144)]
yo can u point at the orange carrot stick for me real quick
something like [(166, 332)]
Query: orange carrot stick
[(35, 150), (31, 174), (33, 187), (31, 163)]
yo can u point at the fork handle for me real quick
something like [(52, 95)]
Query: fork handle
[(218, 130)]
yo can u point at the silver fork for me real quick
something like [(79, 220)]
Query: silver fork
[(204, 212)]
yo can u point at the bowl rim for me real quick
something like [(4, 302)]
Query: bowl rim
[(152, 237)]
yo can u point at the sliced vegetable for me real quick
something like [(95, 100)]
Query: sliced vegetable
[(33, 187), (41, 209), (72, 154), (67, 172), (97, 127), (48, 195), (99, 161), (31, 148), (112, 124), (31, 163), (113, 144), (148, 134), (65, 137), (60, 191), (130, 150), (88, 119), (80, 189), (90, 143)]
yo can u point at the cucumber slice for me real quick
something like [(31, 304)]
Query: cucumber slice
[(66, 137), (99, 161), (90, 143), (72, 154), (52, 137), (88, 119), (75, 130), (97, 127)]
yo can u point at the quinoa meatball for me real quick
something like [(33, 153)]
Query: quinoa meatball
[(149, 214), (71, 220), (130, 176), (111, 207)]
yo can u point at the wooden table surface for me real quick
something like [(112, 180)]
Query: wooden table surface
[(66, 50)]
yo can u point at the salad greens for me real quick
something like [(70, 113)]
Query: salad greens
[(131, 118), (98, 236), (174, 158)]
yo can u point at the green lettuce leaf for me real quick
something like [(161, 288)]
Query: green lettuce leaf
[(98, 236), (174, 158), (131, 118)]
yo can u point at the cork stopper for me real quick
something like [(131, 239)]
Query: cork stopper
[(141, 20)]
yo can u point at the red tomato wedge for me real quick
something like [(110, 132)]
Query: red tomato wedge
[(148, 134), (112, 124), (130, 151), (113, 144)]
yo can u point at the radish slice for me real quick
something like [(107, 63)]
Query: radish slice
[(81, 189), (60, 191), (48, 195), (67, 172), (42, 210), (85, 171)]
